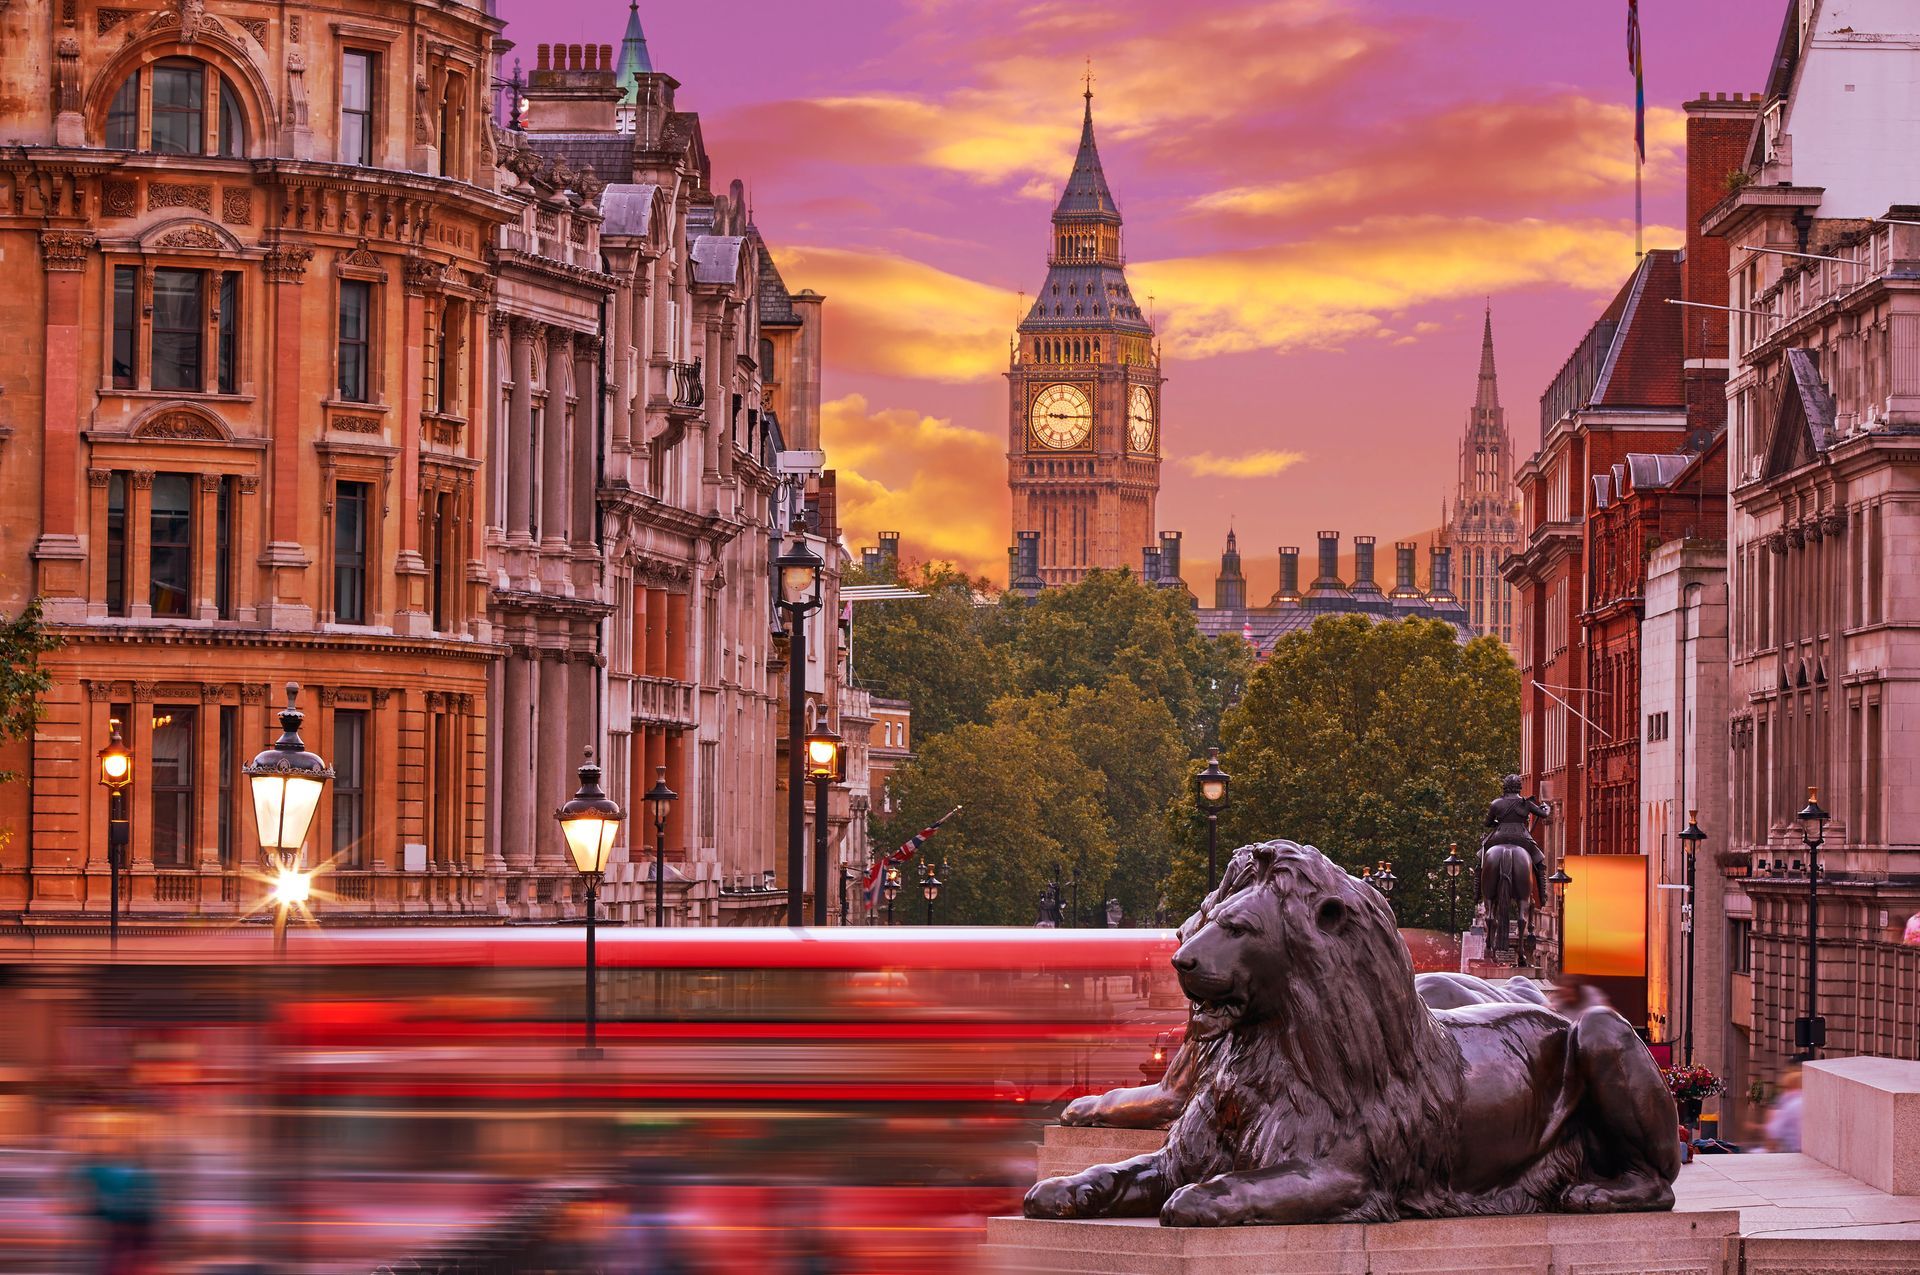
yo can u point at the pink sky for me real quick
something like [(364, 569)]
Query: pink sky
[(1318, 194)]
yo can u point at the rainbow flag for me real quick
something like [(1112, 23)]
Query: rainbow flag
[(1639, 70)]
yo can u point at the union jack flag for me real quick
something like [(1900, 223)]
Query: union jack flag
[(875, 882)]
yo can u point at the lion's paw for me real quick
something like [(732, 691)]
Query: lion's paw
[(1079, 1195), (1625, 1195), (1198, 1204), (1084, 1110)]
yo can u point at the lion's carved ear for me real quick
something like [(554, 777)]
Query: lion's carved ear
[(1332, 913)]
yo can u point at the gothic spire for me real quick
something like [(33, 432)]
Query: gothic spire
[(634, 59), (1087, 195), (1488, 397)]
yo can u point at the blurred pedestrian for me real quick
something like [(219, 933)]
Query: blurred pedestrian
[(1783, 1121), (1911, 936), (120, 1196)]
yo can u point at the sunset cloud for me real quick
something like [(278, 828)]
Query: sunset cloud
[(1260, 464), (890, 314), (942, 484)]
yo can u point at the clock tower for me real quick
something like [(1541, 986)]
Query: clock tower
[(1083, 436)]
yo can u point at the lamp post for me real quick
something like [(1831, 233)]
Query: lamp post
[(891, 890), (286, 781), (1453, 864), (590, 821), (823, 767), (660, 799), (1559, 882), (930, 885), (1692, 836), (1810, 1032), (1210, 789), (798, 571), (116, 775), (1384, 881)]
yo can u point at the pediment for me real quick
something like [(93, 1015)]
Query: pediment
[(190, 233), (183, 423), (1803, 415)]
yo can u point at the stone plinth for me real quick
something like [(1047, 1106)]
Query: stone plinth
[(1862, 1117), (1066, 1150), (1698, 1243)]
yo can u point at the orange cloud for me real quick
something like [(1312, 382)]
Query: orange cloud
[(893, 315), (1260, 464), (943, 485), (1324, 292)]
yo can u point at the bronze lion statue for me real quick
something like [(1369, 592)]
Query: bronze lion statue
[(1330, 1092)]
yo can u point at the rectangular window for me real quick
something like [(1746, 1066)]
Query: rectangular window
[(179, 108), (356, 321), (440, 557), (179, 328), (223, 547), (229, 766), (126, 285), (117, 543), (170, 589), (349, 787), (356, 107), (228, 355), (350, 553), (1739, 946), (123, 116), (172, 785)]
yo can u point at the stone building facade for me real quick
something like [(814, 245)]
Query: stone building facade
[(1482, 524), (247, 264), (1824, 419)]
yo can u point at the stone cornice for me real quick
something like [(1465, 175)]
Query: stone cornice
[(122, 633), (556, 269)]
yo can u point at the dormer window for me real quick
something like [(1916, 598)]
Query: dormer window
[(177, 106)]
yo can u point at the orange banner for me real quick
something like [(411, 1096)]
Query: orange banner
[(1606, 915)]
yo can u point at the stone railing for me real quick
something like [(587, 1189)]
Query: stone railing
[(663, 701)]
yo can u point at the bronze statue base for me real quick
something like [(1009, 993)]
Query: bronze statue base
[(1542, 1243)]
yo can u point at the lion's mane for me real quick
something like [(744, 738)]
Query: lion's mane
[(1352, 1052)]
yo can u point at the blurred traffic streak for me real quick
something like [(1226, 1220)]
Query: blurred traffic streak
[(767, 1100)]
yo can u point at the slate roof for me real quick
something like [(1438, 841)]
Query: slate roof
[(1644, 365), (1815, 397), (609, 155), (1083, 294), (627, 208), (1269, 624), (1087, 196), (776, 303)]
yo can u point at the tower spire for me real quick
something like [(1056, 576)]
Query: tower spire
[(635, 61), (1487, 399)]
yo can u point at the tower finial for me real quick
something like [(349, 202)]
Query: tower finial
[(1089, 93)]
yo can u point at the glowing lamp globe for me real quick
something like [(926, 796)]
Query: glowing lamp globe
[(286, 781), (591, 821)]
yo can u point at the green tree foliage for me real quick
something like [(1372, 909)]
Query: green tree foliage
[(1370, 741), (23, 640), (944, 654)]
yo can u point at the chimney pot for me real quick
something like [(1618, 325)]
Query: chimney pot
[(606, 57), (593, 57), (543, 52)]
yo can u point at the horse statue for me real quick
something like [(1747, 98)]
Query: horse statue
[(1513, 870)]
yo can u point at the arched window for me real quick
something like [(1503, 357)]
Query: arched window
[(177, 106)]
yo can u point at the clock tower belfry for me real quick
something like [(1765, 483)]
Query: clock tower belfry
[(1083, 435)]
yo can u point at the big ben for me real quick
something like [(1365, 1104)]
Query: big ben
[(1083, 458)]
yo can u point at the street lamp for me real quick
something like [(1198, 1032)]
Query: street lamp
[(1384, 881), (930, 887), (116, 776), (891, 890), (660, 799), (590, 821), (1453, 864), (1559, 882), (1211, 790), (823, 767), (286, 781), (1810, 1032), (798, 571), (1692, 836)]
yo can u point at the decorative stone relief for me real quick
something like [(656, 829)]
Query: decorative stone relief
[(105, 20), (255, 27), (191, 237), (236, 205), (287, 262), (119, 199), (424, 274), (65, 250), (99, 477), (381, 694), (253, 692), (179, 195), (190, 425), (356, 424), (99, 692), (249, 484), (142, 479)]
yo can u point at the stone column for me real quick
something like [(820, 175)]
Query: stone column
[(61, 556), (139, 568), (620, 364), (678, 610), (98, 489), (557, 761), (657, 624), (718, 402), (138, 733), (729, 358), (554, 467), (412, 615), (246, 537), (678, 846), (588, 446), (285, 557), (519, 448), (517, 761), (207, 762), (206, 563)]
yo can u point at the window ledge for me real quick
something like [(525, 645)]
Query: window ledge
[(196, 396)]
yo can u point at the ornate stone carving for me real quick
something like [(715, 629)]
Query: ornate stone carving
[(287, 262), (105, 20), (66, 250), (1796, 536), (192, 15), (99, 477), (99, 692), (381, 694), (357, 424), (214, 692), (1775, 541), (179, 195), (191, 237), (236, 205), (361, 257), (255, 27), (524, 329), (143, 692), (210, 483), (119, 199), (424, 274), (249, 483), (179, 425), (327, 695), (66, 74), (436, 700), (253, 692), (1834, 522), (142, 479)]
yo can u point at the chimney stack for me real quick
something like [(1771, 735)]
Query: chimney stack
[(1440, 577), (1363, 581), (1404, 584), (1289, 591), (1150, 564), (1170, 558), (890, 551), (1024, 576)]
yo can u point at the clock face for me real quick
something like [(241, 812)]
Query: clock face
[(1140, 419), (1061, 416)]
